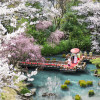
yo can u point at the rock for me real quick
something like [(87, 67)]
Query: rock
[(26, 79), (33, 91), (99, 83), (44, 94), (49, 94), (28, 94), (29, 84), (52, 94)]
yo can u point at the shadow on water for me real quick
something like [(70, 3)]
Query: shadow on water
[(77, 73)]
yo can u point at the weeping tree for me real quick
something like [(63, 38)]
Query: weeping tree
[(21, 48)]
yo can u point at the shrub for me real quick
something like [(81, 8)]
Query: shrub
[(47, 58), (64, 86), (64, 55), (67, 82), (24, 90), (91, 93), (82, 83), (53, 58), (77, 97), (89, 83)]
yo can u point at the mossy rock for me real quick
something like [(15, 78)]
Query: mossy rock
[(63, 55), (47, 58), (53, 58), (24, 90), (89, 83), (77, 97), (64, 87), (67, 82), (20, 85), (83, 83), (91, 92)]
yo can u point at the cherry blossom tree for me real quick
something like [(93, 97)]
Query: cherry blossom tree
[(42, 25), (55, 37), (91, 10), (21, 48)]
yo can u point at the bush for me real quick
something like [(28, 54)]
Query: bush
[(82, 83), (53, 58), (63, 55), (67, 82), (48, 50), (77, 97), (64, 86), (24, 90), (91, 93), (89, 83), (47, 58)]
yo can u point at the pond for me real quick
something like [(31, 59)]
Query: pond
[(51, 81)]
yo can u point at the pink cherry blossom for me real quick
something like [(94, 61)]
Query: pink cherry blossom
[(43, 25), (56, 36)]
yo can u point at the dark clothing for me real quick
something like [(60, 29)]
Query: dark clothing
[(72, 58)]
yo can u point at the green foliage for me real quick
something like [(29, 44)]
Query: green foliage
[(96, 62), (13, 5), (40, 35), (77, 97), (66, 46), (64, 55), (64, 86), (71, 24), (75, 31), (28, 4), (24, 90), (22, 20), (89, 83), (36, 5), (53, 58), (10, 28), (82, 83), (52, 28), (67, 82), (47, 58), (91, 93), (50, 50)]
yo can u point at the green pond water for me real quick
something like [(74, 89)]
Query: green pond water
[(51, 81)]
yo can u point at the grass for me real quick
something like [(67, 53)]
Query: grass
[(20, 85), (8, 94)]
